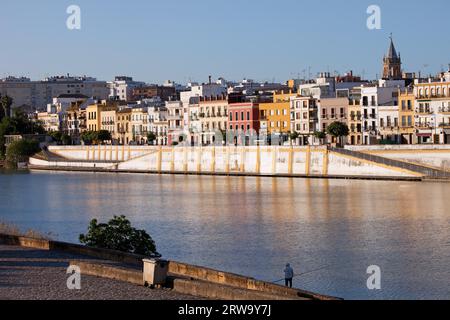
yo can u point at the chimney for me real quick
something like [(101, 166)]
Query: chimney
[(210, 79)]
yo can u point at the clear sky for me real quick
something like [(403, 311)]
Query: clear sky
[(186, 40)]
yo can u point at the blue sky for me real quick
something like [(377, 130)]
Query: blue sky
[(189, 40)]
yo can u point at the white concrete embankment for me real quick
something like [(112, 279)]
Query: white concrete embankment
[(436, 156), (272, 161)]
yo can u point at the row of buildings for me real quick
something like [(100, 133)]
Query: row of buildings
[(400, 108)]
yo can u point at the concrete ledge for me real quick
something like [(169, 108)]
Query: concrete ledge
[(110, 272), (223, 174), (238, 281), (24, 242), (223, 292), (104, 254)]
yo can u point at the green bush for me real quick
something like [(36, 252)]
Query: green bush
[(21, 151), (118, 234)]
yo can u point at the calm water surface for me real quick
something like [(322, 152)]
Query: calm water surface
[(253, 226)]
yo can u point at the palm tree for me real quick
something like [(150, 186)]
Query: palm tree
[(6, 103)]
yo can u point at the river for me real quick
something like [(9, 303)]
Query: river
[(254, 226)]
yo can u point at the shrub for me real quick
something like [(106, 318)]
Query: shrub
[(12, 230), (118, 234), (20, 151)]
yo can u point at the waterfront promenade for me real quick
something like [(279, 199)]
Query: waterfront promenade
[(33, 274)]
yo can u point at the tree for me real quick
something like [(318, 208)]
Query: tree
[(118, 234), (56, 136), (6, 103), (338, 130), (103, 135), (66, 140), (88, 137), (18, 124), (20, 151), (151, 137), (293, 136), (320, 135)]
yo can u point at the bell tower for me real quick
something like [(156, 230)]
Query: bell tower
[(392, 63)]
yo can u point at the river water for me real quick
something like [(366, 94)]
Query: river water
[(254, 226)]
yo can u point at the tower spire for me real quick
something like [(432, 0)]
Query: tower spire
[(392, 62)]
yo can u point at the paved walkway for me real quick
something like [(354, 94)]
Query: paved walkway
[(31, 274)]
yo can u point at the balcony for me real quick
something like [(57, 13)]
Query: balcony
[(445, 110), (424, 111), (444, 125), (174, 117), (423, 126)]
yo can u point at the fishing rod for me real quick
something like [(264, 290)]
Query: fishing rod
[(308, 272)]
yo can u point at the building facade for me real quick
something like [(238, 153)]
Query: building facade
[(304, 118), (124, 133), (432, 110), (213, 117), (275, 116), (406, 116), (332, 110), (38, 94)]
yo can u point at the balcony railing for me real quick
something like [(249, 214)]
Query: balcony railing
[(423, 126), (424, 111), (444, 125), (444, 109)]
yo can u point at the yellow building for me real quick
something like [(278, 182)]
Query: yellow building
[(94, 117), (354, 120), (406, 116), (123, 133), (275, 116), (108, 121)]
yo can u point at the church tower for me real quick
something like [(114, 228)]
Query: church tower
[(392, 69)]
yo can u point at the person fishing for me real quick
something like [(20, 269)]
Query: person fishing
[(288, 275)]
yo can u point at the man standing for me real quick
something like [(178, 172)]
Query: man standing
[(288, 275)]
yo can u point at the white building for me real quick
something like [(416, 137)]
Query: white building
[(374, 96), (190, 104), (38, 94), (388, 124), (175, 121), (65, 101), (122, 88), (158, 124)]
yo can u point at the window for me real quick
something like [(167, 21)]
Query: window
[(365, 101), (231, 116), (248, 115), (242, 117)]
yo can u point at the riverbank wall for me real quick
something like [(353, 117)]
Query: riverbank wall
[(230, 160), (183, 278), (433, 156)]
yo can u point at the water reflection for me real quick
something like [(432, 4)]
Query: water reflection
[(254, 226)]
